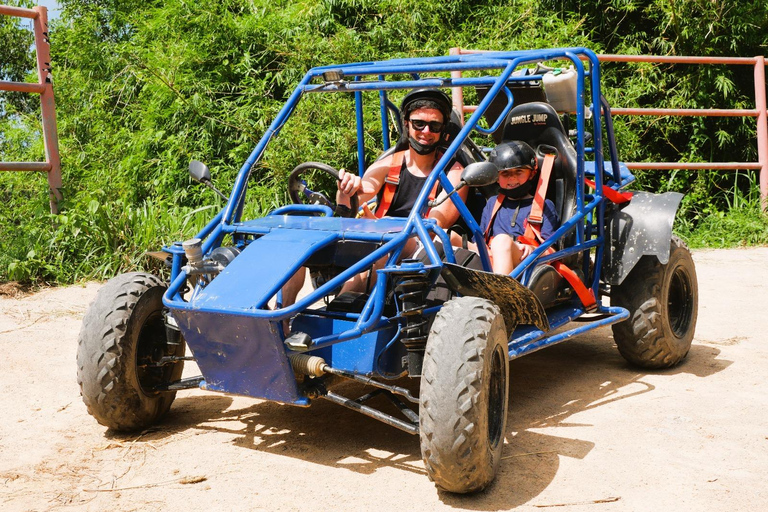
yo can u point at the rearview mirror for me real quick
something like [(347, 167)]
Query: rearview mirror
[(480, 174), (199, 171)]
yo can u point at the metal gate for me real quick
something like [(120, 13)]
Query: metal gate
[(44, 87)]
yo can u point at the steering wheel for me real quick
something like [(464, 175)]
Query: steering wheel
[(300, 194)]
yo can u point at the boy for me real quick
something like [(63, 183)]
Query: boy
[(504, 217)]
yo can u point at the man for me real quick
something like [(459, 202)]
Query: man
[(398, 178)]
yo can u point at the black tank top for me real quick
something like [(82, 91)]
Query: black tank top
[(406, 193)]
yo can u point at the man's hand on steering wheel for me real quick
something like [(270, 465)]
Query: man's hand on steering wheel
[(348, 185), (300, 194)]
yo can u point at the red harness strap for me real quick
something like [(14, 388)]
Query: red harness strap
[(496, 207), (391, 182), (537, 208), (612, 194)]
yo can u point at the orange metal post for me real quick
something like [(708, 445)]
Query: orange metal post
[(43, 87), (762, 128), (48, 106)]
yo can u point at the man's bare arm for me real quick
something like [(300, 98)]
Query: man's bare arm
[(446, 214)]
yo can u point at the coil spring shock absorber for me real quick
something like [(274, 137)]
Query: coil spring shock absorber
[(411, 288)]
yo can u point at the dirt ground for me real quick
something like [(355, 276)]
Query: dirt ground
[(585, 432)]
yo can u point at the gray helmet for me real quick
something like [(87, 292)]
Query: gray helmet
[(516, 153)]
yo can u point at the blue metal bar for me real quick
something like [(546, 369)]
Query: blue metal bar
[(436, 67), (502, 117), (446, 241), (177, 256), (599, 166), (472, 225), (302, 208), (375, 303), (354, 332), (214, 239), (394, 339), (555, 256), (360, 132), (410, 84), (210, 226), (446, 63), (611, 142), (384, 117), (536, 340), (373, 322), (440, 168), (576, 220), (426, 240), (580, 127)]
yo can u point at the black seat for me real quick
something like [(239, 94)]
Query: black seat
[(537, 123)]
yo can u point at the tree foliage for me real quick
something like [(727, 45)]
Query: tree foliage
[(143, 86)]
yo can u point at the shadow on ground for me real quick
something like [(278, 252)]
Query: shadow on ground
[(547, 389)]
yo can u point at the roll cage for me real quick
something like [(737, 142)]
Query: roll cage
[(294, 232)]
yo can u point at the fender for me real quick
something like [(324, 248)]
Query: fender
[(518, 304), (642, 227)]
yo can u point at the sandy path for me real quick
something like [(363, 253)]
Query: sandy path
[(585, 431)]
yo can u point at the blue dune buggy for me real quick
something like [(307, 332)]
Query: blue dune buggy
[(441, 319)]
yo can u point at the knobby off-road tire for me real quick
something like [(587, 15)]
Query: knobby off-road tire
[(464, 395), (663, 305), (122, 331)]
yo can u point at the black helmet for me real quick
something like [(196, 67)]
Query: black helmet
[(427, 98), (424, 98), (509, 155)]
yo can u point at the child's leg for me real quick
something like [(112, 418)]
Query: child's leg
[(503, 250), (507, 254)]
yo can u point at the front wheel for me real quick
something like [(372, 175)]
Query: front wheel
[(464, 395), (662, 300), (120, 352)]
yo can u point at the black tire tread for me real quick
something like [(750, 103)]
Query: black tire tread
[(452, 374), (106, 374), (644, 339)]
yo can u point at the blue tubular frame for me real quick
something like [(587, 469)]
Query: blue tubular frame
[(360, 131), (589, 231), (384, 120)]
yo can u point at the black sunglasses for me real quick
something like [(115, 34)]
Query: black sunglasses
[(420, 124)]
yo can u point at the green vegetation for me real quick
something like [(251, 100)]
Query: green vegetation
[(143, 86)]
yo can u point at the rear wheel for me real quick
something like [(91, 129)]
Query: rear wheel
[(464, 395), (663, 304), (121, 344)]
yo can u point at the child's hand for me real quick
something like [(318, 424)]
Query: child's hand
[(525, 250)]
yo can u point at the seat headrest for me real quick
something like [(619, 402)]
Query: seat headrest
[(529, 120)]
